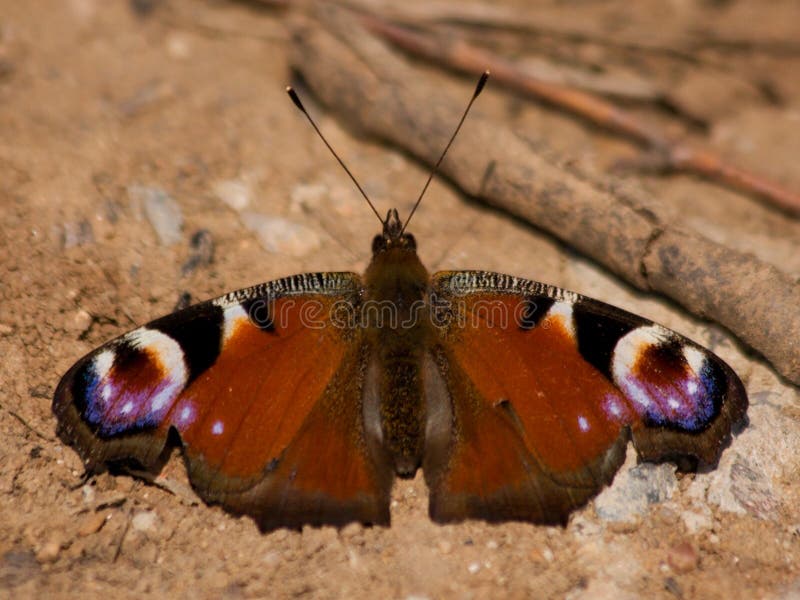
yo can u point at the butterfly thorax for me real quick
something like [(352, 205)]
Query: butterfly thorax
[(398, 325)]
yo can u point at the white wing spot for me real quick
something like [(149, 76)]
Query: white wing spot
[(614, 408), (628, 351), (169, 358), (583, 424), (217, 428), (126, 408), (691, 387), (161, 399), (233, 316), (695, 358), (563, 312), (103, 363)]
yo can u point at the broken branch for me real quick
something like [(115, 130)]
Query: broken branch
[(673, 156)]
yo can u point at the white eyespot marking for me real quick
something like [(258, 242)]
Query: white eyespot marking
[(161, 399), (102, 363), (562, 312), (695, 359), (673, 403), (612, 406), (101, 367), (636, 392), (691, 387), (583, 424), (126, 408), (161, 347), (234, 316), (217, 428), (629, 349), (185, 415), (106, 391), (168, 355)]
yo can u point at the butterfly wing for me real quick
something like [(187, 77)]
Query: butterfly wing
[(264, 389), (544, 388)]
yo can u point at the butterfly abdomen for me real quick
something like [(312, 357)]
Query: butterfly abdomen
[(397, 321), (402, 413)]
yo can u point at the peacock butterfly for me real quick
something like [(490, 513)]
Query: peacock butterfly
[(298, 401)]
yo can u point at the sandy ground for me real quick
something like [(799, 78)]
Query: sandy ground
[(98, 97)]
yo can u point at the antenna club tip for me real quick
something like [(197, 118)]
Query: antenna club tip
[(295, 98), (481, 83)]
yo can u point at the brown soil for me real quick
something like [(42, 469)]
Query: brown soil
[(98, 96)]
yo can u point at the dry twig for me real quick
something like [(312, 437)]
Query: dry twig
[(673, 156), (561, 25)]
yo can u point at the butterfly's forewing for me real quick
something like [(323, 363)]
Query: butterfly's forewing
[(545, 388), (264, 390)]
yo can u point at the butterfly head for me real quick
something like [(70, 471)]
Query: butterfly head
[(393, 237)]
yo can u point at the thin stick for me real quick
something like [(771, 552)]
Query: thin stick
[(478, 90), (296, 99), (27, 425), (674, 156)]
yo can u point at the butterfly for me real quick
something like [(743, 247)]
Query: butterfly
[(298, 401)]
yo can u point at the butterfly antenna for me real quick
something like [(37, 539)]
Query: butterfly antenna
[(296, 99), (478, 90)]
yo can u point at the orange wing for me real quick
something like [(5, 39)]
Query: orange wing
[(264, 389), (545, 387)]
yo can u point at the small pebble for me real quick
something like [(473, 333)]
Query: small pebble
[(77, 234), (634, 491), (445, 547), (682, 557), (144, 521), (272, 559), (6, 329), (92, 523), (178, 46), (81, 320), (88, 494), (352, 559), (282, 236), (50, 551), (202, 251), (41, 391), (673, 587), (161, 210), (696, 521), (279, 535), (752, 489), (236, 194), (351, 531), (474, 567)]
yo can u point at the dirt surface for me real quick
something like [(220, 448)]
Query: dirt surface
[(97, 98)]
